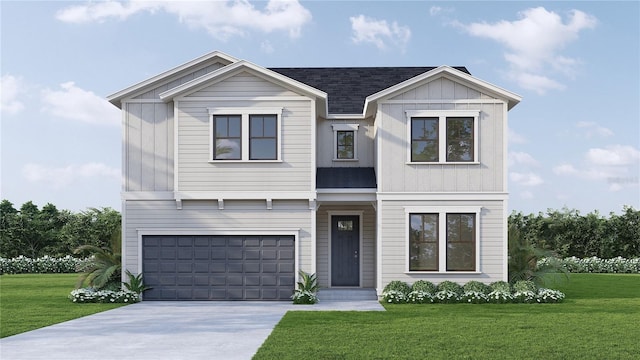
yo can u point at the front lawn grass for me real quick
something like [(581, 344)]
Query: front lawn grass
[(32, 301), (598, 320)]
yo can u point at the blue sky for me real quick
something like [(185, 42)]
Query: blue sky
[(574, 139)]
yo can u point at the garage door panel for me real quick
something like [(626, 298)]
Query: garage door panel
[(218, 267)]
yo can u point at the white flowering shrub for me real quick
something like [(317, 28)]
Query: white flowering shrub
[(42, 265), (474, 297), (446, 297), (394, 297), (549, 296), (595, 265), (89, 295), (419, 297), (473, 292)]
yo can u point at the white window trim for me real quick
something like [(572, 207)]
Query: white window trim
[(442, 116), (442, 212), (345, 127), (244, 114)]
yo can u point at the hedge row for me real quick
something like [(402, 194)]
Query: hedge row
[(475, 292), (595, 264), (45, 264)]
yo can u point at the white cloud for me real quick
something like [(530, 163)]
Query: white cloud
[(379, 32), (437, 10), (523, 158), (59, 177), (515, 138), (11, 87), (614, 155), (593, 129), (526, 179), (612, 165), (221, 19), (533, 44), (72, 102)]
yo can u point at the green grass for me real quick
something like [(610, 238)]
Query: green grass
[(32, 301), (598, 320)]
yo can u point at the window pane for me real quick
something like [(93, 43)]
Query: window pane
[(424, 139), (257, 126), (345, 225), (227, 137), (460, 139), (270, 127), (262, 149), (227, 149), (345, 145), (423, 242), (461, 242)]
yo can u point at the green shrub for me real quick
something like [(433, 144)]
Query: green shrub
[(397, 285), (420, 297), (502, 286), (307, 288), (450, 286), (525, 286), (424, 286), (394, 297), (477, 286)]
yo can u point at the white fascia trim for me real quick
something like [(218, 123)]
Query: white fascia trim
[(347, 197), (444, 101), (454, 196), (242, 98), (142, 101), (345, 117), (345, 127), (228, 70), (147, 195), (245, 195), (113, 98)]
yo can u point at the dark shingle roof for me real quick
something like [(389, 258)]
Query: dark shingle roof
[(347, 88), (345, 177)]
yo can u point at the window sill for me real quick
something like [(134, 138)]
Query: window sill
[(345, 160), (443, 163), (243, 161), (443, 272)]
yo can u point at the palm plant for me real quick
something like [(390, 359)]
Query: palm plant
[(135, 283), (105, 266), (523, 260)]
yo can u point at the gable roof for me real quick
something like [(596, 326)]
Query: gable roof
[(215, 56), (348, 87)]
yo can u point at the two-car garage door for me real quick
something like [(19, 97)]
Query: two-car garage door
[(218, 267)]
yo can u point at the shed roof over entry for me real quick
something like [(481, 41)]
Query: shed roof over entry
[(346, 178)]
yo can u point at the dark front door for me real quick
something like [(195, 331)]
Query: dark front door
[(345, 250)]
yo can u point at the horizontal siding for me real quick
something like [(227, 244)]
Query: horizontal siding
[(398, 176), (196, 215), (368, 243), (148, 147), (325, 143), (197, 174), (394, 243)]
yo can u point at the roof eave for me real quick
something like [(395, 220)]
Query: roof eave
[(370, 104), (195, 83), (117, 97)]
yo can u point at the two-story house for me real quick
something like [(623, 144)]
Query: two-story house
[(236, 176)]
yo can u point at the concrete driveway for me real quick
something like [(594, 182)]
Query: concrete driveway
[(163, 330)]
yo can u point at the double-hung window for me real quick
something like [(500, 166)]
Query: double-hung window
[(442, 136), (245, 134), (443, 240), (345, 142)]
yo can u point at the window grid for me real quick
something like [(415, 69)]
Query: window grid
[(263, 140), (424, 139), (345, 145), (227, 137)]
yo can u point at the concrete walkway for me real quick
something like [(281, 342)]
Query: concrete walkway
[(164, 330)]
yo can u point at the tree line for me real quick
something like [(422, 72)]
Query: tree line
[(566, 232), (35, 232)]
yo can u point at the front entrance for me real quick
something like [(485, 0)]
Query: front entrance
[(345, 250)]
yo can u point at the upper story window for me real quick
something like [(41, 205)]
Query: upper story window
[(245, 134), (345, 142), (227, 137), (442, 136)]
